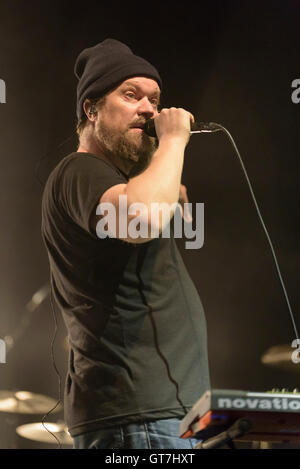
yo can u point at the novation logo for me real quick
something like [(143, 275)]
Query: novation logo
[(2, 91), (275, 403)]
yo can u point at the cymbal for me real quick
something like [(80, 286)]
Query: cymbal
[(37, 432), (24, 402), (280, 356)]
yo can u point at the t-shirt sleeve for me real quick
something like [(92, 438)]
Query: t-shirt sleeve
[(83, 181)]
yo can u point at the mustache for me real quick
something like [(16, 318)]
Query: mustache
[(138, 123)]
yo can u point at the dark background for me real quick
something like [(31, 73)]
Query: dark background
[(230, 62)]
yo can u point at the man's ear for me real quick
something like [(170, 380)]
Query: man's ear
[(89, 109)]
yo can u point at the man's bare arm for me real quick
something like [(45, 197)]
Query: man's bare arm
[(160, 183)]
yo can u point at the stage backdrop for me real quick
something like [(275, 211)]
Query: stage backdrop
[(232, 62)]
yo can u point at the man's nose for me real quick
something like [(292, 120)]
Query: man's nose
[(146, 108)]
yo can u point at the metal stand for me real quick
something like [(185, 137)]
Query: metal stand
[(238, 429)]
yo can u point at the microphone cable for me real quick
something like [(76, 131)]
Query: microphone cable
[(59, 401), (214, 127), (141, 288)]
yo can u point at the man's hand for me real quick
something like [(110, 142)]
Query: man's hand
[(174, 123)]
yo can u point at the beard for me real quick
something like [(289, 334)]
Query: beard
[(134, 149)]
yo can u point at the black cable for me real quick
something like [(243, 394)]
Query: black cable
[(36, 172), (56, 370), (141, 258), (263, 225)]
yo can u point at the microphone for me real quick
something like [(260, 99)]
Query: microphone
[(196, 127)]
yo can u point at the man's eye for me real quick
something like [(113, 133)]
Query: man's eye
[(130, 95)]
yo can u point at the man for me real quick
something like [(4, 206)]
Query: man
[(136, 325)]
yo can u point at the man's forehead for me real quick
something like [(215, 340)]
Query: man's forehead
[(142, 83)]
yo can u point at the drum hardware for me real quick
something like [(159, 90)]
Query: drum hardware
[(41, 432), (24, 402)]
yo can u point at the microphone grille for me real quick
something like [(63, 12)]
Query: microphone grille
[(149, 128)]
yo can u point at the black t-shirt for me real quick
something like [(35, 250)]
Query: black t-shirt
[(134, 318)]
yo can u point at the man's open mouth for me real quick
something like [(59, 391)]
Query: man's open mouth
[(138, 126)]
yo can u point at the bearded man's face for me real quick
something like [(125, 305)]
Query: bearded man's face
[(119, 125)]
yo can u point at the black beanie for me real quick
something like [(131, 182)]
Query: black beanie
[(104, 66)]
